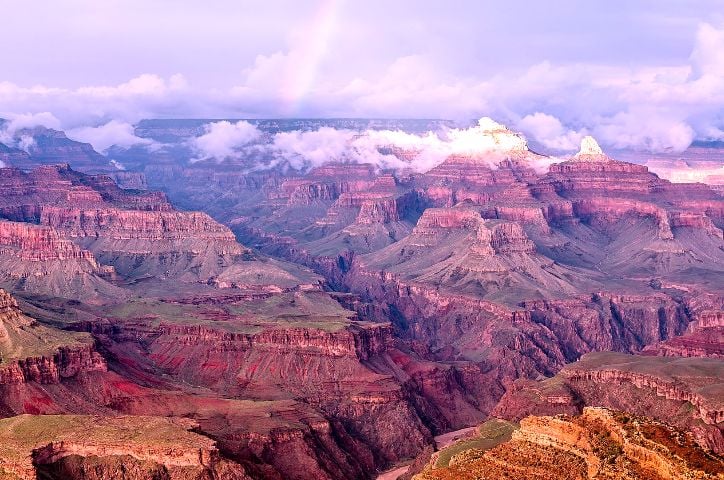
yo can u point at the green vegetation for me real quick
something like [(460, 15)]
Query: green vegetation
[(314, 310), (20, 435), (124, 430), (26, 338)]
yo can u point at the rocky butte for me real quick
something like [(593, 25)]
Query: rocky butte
[(215, 321)]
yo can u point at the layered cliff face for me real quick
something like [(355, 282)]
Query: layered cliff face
[(129, 180), (58, 185), (291, 346), (326, 183), (457, 251), (94, 447), (597, 444), (609, 321), (467, 288), (190, 359), (685, 392), (496, 158), (135, 235), (33, 352), (188, 246), (591, 170), (646, 225), (38, 259), (704, 337)]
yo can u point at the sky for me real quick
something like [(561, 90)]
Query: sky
[(635, 74)]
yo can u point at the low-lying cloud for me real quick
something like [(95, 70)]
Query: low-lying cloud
[(12, 131), (115, 132), (224, 139), (385, 149), (682, 172)]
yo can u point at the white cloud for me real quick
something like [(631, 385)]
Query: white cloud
[(550, 132), (708, 55), (25, 143), (681, 172), (118, 165), (141, 97), (224, 139), (645, 129), (17, 122), (114, 132), (303, 150)]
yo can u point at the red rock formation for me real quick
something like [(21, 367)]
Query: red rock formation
[(696, 221), (447, 218), (326, 368), (31, 242), (704, 336), (597, 444), (655, 386), (327, 183), (139, 234), (55, 185), (120, 224), (30, 352), (509, 238), (526, 214), (373, 207), (129, 180), (37, 259), (608, 210), (95, 447)]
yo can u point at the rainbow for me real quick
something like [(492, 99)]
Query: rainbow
[(306, 56)]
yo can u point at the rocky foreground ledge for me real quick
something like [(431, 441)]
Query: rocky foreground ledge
[(600, 443)]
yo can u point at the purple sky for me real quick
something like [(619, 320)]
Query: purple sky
[(642, 74)]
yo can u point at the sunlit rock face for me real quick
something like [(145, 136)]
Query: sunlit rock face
[(654, 386), (599, 443), (487, 136), (589, 147)]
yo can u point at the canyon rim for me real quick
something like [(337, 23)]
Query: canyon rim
[(328, 240)]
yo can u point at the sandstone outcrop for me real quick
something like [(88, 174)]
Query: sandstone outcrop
[(685, 392), (597, 444)]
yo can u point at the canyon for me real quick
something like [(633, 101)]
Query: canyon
[(330, 323)]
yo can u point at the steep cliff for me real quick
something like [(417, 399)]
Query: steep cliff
[(33, 352), (339, 367), (138, 234), (38, 259)]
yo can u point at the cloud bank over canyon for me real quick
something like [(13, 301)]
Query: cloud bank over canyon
[(656, 103), (302, 150)]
